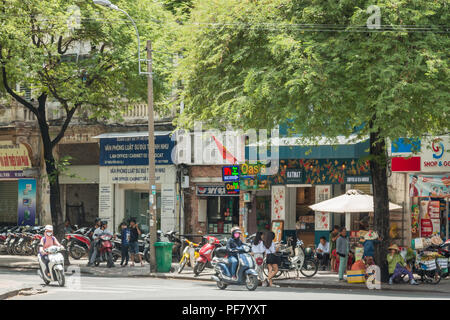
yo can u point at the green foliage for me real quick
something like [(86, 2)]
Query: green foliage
[(40, 45), (251, 65)]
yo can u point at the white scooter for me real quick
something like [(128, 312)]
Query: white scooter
[(55, 266)]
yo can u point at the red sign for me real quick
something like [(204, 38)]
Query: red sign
[(400, 164), (426, 227)]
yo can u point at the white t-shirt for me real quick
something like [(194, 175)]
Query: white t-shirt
[(261, 248), (325, 248)]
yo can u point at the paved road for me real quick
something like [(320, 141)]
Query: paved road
[(152, 288)]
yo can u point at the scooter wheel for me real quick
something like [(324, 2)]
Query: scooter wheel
[(61, 278), (251, 283), (221, 285), (42, 276)]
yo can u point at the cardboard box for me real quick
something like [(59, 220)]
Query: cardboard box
[(356, 276)]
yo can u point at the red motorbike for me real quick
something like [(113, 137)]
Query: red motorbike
[(105, 251), (206, 254), (78, 243)]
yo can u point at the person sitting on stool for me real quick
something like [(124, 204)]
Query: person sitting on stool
[(323, 252)]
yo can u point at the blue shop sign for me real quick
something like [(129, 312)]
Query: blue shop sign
[(133, 151)]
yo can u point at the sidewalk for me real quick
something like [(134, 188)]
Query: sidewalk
[(323, 279)]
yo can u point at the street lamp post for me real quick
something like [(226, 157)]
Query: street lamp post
[(151, 132)]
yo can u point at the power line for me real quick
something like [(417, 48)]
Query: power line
[(284, 26)]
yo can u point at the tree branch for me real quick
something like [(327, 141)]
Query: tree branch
[(18, 98), (61, 133)]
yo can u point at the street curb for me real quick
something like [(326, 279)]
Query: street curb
[(13, 293)]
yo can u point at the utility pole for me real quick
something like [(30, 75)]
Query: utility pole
[(151, 160)]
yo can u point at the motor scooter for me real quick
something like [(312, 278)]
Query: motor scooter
[(190, 255), (246, 273), (206, 254), (55, 266), (105, 251)]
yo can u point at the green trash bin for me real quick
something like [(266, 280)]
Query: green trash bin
[(163, 256)]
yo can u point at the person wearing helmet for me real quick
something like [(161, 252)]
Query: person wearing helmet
[(233, 244), (96, 237), (47, 241)]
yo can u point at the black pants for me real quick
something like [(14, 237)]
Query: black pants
[(125, 254), (323, 258)]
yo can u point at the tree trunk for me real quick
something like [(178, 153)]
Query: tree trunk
[(378, 163), (52, 174)]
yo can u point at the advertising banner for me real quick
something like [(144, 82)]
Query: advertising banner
[(133, 151), (322, 219), (27, 202), (13, 159), (435, 156), (436, 186), (278, 202)]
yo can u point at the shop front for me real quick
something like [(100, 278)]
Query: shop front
[(17, 192), (124, 187), (426, 168), (304, 182)]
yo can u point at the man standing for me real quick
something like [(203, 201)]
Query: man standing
[(135, 232), (342, 249), (90, 235), (323, 252)]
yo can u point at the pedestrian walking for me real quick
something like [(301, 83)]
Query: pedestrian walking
[(125, 238), (258, 250), (342, 250), (334, 235), (272, 259), (135, 232)]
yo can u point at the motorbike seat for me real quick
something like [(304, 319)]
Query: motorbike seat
[(222, 260)]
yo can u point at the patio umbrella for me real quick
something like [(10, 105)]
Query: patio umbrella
[(351, 201)]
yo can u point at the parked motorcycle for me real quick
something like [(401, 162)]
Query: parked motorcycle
[(190, 254), (55, 266), (206, 254), (246, 271), (78, 243), (105, 251), (177, 243), (296, 259)]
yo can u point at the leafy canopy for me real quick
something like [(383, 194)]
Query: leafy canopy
[(82, 54), (251, 64)]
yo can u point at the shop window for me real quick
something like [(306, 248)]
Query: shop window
[(263, 214), (223, 213), (136, 206)]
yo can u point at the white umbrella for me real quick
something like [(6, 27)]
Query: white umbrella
[(351, 201)]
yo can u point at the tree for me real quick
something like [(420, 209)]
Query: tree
[(316, 66), (82, 56)]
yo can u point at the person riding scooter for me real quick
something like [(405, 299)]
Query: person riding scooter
[(233, 245), (96, 237), (47, 241)]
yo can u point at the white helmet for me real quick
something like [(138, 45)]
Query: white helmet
[(49, 227)]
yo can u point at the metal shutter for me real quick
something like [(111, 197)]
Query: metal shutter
[(8, 202)]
